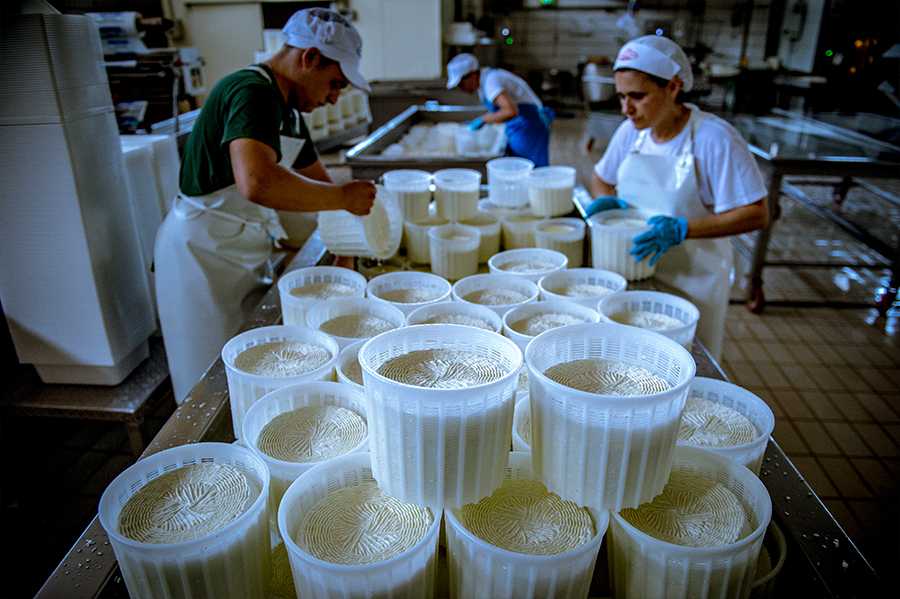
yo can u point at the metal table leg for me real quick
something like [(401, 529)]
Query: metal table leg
[(756, 300)]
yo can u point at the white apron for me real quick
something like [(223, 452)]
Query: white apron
[(211, 253), (700, 268)]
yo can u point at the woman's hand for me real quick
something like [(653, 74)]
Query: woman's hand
[(665, 232)]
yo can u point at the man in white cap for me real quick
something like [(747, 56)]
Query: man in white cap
[(248, 155), (690, 170), (509, 100)]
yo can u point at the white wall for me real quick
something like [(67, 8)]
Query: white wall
[(401, 38)]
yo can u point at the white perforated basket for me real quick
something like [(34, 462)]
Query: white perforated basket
[(418, 244), (538, 308), (376, 235), (245, 388), (232, 563), (642, 566), (489, 227), (550, 190), (454, 251), (288, 399), (346, 359), (456, 193), (436, 446), (464, 287), (438, 288), (293, 308), (611, 244), (508, 180), (425, 313), (553, 286), (521, 430), (565, 235), (655, 302), (502, 212), (480, 569), (408, 575), (325, 311), (604, 451), (749, 405), (412, 188), (518, 230), (501, 263)]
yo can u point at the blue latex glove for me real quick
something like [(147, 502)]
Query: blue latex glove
[(666, 231), (605, 203), (476, 124)]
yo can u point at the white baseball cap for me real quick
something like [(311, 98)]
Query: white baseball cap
[(332, 35), (658, 56), (460, 66)]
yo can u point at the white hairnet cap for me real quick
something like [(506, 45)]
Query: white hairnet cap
[(656, 55), (332, 35), (460, 66)]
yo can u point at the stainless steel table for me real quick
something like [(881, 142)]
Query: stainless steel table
[(822, 561), (786, 143)]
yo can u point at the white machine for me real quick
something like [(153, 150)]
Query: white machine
[(72, 281)]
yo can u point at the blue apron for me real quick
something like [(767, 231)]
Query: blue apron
[(528, 133)]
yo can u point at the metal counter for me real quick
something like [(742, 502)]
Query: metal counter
[(821, 560), (366, 163)]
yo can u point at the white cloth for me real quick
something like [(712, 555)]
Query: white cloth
[(211, 254), (700, 268), (495, 81), (333, 35), (728, 175), (657, 55), (460, 66)]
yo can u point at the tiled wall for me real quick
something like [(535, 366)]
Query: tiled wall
[(545, 39)]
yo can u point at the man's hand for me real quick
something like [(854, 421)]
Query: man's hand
[(358, 197)]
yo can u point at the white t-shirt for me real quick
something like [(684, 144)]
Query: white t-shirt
[(494, 81), (728, 175)]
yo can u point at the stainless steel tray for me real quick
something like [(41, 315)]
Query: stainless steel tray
[(366, 163)]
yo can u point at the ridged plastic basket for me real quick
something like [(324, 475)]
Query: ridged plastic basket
[(550, 190), (502, 212), (521, 420), (408, 575), (418, 244), (556, 260), (288, 399), (439, 446), (325, 311), (232, 562), (413, 192), (518, 230), (611, 244), (409, 280), (480, 282), (346, 358), (293, 308), (245, 388), (749, 405), (454, 251), (456, 193), (655, 302), (565, 235), (604, 451), (489, 227), (546, 307), (480, 569), (425, 313), (642, 566), (376, 235), (552, 284), (508, 180)]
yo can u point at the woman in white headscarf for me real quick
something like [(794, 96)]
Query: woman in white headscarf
[(690, 168)]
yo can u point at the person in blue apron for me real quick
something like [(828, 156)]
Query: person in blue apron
[(508, 99), (248, 155), (692, 170)]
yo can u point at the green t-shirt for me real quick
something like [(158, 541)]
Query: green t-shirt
[(243, 105)]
